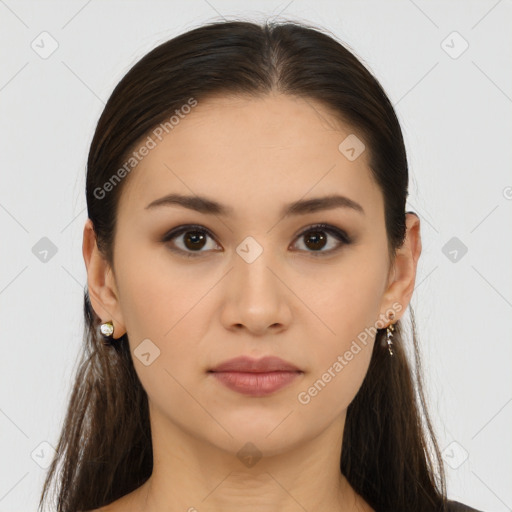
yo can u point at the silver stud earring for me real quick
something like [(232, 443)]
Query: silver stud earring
[(107, 330)]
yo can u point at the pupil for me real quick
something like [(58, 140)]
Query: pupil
[(195, 236), (317, 238)]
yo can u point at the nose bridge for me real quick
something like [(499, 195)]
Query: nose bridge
[(256, 296), (255, 269), (254, 258)]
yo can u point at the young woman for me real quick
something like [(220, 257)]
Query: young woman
[(249, 263)]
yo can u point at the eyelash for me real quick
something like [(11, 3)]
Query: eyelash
[(342, 237)]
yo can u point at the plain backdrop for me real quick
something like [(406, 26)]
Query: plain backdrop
[(446, 66)]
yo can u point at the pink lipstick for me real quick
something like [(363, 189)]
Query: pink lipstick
[(256, 377)]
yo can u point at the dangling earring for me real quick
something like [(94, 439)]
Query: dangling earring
[(389, 334), (107, 330)]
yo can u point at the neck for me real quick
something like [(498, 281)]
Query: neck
[(195, 476)]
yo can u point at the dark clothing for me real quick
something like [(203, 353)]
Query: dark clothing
[(455, 506), (451, 506)]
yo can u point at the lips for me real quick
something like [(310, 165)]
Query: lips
[(247, 364), (256, 377)]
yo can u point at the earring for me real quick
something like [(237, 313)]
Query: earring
[(389, 334), (107, 330)]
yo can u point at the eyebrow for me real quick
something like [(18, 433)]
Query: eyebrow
[(301, 207)]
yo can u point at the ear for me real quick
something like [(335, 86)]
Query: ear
[(403, 276), (101, 282)]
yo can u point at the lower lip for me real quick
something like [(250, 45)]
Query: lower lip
[(256, 384)]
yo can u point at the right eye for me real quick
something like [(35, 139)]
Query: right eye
[(193, 240)]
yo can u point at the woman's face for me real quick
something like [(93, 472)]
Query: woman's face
[(255, 282)]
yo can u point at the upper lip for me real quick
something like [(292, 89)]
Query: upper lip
[(250, 365)]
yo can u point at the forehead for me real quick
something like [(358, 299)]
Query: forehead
[(252, 152)]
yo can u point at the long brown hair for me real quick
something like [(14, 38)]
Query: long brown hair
[(389, 454)]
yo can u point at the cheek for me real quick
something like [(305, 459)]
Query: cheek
[(156, 292), (330, 391), (348, 306), (345, 298), (166, 302), (339, 362)]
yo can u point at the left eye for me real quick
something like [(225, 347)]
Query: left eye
[(316, 234), (195, 236)]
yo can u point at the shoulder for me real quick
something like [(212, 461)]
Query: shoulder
[(123, 504), (455, 506), (112, 507)]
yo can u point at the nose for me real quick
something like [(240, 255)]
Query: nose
[(257, 296)]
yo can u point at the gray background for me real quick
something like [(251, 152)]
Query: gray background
[(455, 109)]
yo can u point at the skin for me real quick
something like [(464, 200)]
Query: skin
[(245, 153)]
